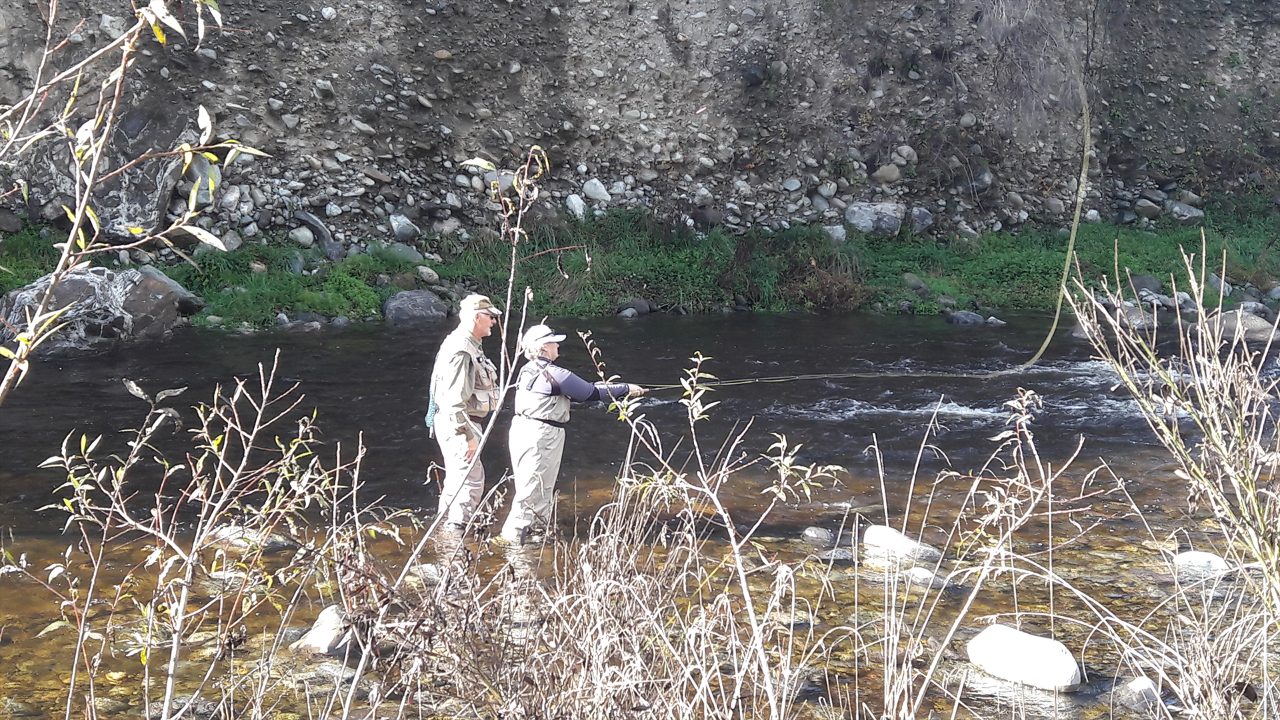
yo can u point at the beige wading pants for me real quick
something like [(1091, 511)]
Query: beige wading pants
[(536, 450), (463, 488)]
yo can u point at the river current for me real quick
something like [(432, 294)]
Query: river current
[(924, 396)]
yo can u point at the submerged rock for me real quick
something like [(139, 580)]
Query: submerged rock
[(238, 537), (819, 536), (1016, 656), (1140, 694), (1198, 565)]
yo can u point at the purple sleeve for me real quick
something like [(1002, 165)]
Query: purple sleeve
[(575, 388)]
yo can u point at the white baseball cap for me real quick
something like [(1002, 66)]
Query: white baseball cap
[(537, 336), (476, 304)]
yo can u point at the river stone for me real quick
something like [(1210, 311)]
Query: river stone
[(1197, 564), (922, 576), (238, 537), (1226, 325), (326, 633), (921, 220), (106, 307), (400, 252), (1140, 694), (886, 542), (963, 317), (10, 222), (1147, 209), (1253, 307), (414, 307), (839, 555), (1016, 656), (913, 283), (887, 174), (576, 205), (404, 229), (883, 219), (640, 305), (1146, 282), (1218, 285), (1184, 213), (594, 189), (819, 536)]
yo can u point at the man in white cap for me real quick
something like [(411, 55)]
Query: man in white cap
[(543, 392), (464, 390)]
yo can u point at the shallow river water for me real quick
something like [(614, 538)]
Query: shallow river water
[(371, 383)]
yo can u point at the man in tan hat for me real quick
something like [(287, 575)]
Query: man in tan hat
[(464, 390)]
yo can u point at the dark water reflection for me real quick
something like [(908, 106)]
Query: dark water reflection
[(370, 383)]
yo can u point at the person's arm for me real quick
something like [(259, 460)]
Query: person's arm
[(575, 388), (455, 385)]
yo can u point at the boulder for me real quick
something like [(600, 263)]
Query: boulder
[(1227, 324), (1146, 209), (414, 307), (139, 196), (105, 307), (1010, 654), (963, 317), (640, 305), (883, 219), (326, 633), (1146, 282), (1185, 213), (882, 541)]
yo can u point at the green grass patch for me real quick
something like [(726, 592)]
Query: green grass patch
[(589, 268), (1021, 272), (25, 257), (238, 294)]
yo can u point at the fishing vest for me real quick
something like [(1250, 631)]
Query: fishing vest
[(536, 404), (484, 376)]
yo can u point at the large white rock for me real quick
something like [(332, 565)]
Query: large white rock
[(1016, 656), (1197, 564), (594, 189), (886, 542), (326, 633)]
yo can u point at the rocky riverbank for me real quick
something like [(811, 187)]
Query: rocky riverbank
[(948, 119)]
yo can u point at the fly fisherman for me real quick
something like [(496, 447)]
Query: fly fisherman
[(543, 392), (464, 390)]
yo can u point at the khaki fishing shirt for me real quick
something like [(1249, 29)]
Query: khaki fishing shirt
[(464, 385)]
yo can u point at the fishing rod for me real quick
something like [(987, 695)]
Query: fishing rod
[(832, 376)]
